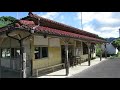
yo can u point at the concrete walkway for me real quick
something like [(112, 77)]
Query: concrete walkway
[(73, 70), (106, 69)]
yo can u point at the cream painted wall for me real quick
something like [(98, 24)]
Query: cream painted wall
[(40, 40), (54, 55), (54, 52), (54, 42), (7, 44)]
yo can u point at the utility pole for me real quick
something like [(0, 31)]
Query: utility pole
[(17, 15), (119, 32), (81, 21)]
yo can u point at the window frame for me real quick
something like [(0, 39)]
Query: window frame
[(40, 47)]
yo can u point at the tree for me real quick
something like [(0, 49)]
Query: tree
[(4, 20), (116, 43)]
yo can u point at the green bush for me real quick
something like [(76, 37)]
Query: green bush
[(118, 54), (98, 50)]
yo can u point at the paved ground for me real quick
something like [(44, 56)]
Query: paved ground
[(5, 73), (106, 69), (73, 70)]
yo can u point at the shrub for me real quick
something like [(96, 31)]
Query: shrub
[(118, 54), (98, 50)]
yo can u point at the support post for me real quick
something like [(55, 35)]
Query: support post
[(105, 51), (88, 56), (66, 40), (100, 52), (89, 52), (66, 60), (0, 57), (22, 60), (0, 64)]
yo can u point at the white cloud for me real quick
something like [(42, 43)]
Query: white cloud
[(106, 25), (61, 17), (90, 29), (57, 16), (103, 17), (109, 28), (105, 33), (51, 15)]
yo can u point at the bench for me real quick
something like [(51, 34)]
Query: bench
[(78, 60), (50, 67)]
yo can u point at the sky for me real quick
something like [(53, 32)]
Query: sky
[(104, 24)]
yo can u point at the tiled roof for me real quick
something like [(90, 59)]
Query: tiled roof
[(72, 29), (64, 33), (26, 24)]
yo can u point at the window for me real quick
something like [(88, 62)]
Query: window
[(37, 52), (44, 52), (10, 53), (92, 48), (41, 52), (5, 53), (16, 52), (85, 48)]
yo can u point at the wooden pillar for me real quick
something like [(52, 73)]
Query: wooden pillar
[(105, 51), (0, 63), (100, 52), (89, 52), (89, 56), (32, 53), (1, 41), (66, 60), (66, 40), (22, 60)]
